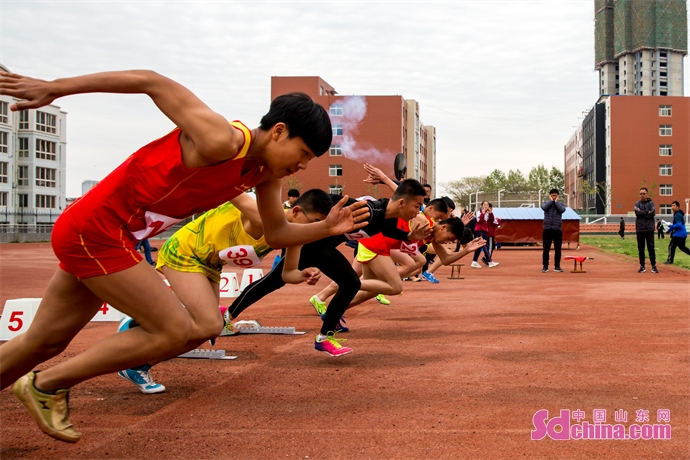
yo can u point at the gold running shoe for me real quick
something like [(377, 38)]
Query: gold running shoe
[(51, 412)]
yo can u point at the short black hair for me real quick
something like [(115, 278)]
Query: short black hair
[(426, 185), (645, 189), (439, 205), (449, 202), (293, 192), (554, 190), (315, 200), (676, 202), (455, 226), (467, 236), (409, 188), (304, 118)]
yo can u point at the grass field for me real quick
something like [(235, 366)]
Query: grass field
[(628, 246)]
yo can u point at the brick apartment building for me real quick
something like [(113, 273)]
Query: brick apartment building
[(366, 129), (628, 142)]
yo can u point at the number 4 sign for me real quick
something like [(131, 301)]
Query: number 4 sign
[(17, 317), (107, 313)]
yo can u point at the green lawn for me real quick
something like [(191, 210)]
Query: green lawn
[(628, 246)]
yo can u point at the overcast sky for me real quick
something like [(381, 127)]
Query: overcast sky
[(503, 82)]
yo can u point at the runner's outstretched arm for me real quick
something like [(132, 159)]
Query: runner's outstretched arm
[(209, 132), (279, 233), (447, 259)]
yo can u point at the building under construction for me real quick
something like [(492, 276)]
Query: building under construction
[(639, 46)]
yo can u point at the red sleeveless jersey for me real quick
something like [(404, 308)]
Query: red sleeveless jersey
[(146, 194)]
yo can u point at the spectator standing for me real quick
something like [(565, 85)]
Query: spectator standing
[(484, 219), (644, 228), (427, 198), (678, 233), (621, 229), (293, 195), (553, 231), (147, 250), (659, 230)]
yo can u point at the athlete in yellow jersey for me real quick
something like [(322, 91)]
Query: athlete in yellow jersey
[(193, 258), (221, 236)]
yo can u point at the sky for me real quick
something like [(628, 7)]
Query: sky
[(504, 82)]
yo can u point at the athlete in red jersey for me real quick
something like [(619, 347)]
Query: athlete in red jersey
[(201, 164)]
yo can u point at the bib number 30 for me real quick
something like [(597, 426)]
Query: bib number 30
[(240, 256)]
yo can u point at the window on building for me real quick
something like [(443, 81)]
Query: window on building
[(665, 150), (320, 90), (3, 198), (23, 200), (23, 175), (24, 119), (45, 150), (23, 148), (338, 130), (336, 150), (46, 122), (665, 170), (4, 109), (336, 109), (666, 189), (664, 110), (4, 142), (45, 201), (665, 209), (665, 130), (3, 172), (45, 177), (335, 170), (335, 189)]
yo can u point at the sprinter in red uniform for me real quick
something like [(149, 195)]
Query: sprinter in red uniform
[(204, 162)]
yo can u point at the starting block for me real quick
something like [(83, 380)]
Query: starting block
[(249, 276), (17, 317), (577, 259), (201, 353), (253, 327), (453, 274)]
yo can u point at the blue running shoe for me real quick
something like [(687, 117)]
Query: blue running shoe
[(126, 323), (142, 379), (276, 260), (430, 277), (340, 327)]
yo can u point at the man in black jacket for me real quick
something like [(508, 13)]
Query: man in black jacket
[(621, 229), (644, 227), (553, 231)]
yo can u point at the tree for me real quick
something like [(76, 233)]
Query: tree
[(293, 182), (556, 179), (460, 190), (495, 181), (515, 182), (538, 179)]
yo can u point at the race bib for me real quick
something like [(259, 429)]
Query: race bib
[(155, 224), (356, 236), (409, 248), (242, 256)]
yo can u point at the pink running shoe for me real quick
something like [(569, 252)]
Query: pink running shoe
[(331, 345)]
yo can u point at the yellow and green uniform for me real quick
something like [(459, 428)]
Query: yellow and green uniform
[(210, 241)]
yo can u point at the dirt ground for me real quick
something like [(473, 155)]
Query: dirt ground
[(454, 370)]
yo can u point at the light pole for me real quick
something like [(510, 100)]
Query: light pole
[(476, 198), (499, 197)]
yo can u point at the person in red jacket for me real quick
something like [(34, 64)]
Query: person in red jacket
[(484, 218)]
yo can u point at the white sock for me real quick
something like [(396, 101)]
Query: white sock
[(317, 299), (321, 337)]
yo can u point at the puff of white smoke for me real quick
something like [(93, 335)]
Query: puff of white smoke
[(354, 111)]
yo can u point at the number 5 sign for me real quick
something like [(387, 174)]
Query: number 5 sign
[(17, 317)]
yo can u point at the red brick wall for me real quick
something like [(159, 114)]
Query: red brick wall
[(381, 129), (635, 144)]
